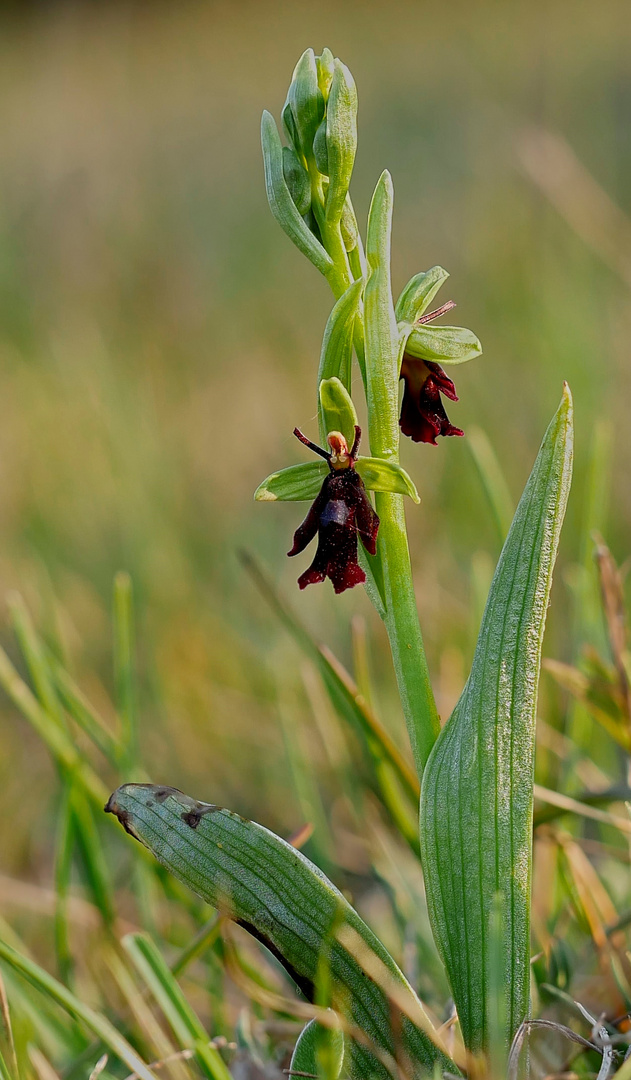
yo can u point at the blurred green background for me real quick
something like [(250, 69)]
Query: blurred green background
[(159, 338)]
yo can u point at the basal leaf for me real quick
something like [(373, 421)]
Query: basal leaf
[(282, 899), (477, 790)]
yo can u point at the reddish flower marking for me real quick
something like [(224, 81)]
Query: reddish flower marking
[(339, 514), (423, 415)]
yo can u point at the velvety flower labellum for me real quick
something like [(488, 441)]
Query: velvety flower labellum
[(339, 514), (423, 415)]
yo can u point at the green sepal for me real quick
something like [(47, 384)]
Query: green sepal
[(338, 411), (305, 102), (419, 293), (379, 475), (319, 1051), (477, 790), (341, 139), (294, 484), (325, 64), (297, 180), (443, 344), (336, 355), (301, 483), (281, 202)]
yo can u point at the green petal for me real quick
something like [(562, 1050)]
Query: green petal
[(338, 411), (419, 293), (443, 344), (296, 484), (381, 475)]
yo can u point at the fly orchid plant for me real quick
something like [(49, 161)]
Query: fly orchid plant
[(475, 774)]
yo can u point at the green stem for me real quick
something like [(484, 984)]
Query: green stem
[(382, 382), (340, 276), (376, 343), (404, 631)]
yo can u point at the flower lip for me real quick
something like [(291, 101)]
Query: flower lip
[(423, 415), (339, 514)]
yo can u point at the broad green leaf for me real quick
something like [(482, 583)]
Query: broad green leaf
[(318, 1052), (282, 899), (379, 475), (443, 344), (338, 411), (281, 202), (419, 293), (294, 484), (341, 139), (477, 790)]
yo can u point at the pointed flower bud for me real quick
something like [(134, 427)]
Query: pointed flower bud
[(340, 513), (304, 108)]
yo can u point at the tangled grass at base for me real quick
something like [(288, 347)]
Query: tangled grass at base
[(231, 953)]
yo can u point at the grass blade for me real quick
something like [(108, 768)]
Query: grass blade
[(477, 793), (95, 1022), (185, 1023), (57, 740), (124, 668)]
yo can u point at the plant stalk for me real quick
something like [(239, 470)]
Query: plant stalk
[(377, 348)]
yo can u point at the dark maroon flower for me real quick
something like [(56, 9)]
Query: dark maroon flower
[(339, 514), (423, 415)]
